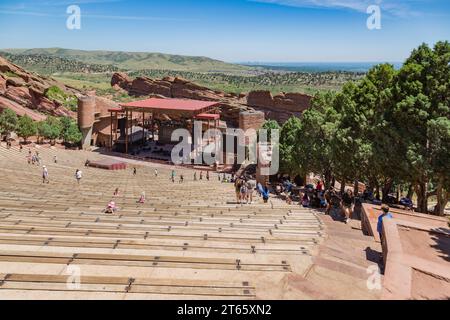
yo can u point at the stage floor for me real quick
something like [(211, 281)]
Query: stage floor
[(108, 164)]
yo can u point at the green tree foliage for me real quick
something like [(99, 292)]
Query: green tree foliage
[(288, 136), (314, 147), (270, 125), (70, 132), (390, 128), (8, 122), (50, 129), (26, 127), (65, 125), (423, 109)]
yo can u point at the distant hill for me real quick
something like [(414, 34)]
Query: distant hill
[(50, 65), (318, 67), (138, 60)]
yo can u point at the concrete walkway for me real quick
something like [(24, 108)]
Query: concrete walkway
[(341, 268)]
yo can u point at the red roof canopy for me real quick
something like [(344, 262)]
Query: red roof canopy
[(162, 105)]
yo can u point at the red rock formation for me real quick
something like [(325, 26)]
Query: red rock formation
[(280, 107), (2, 84), (5, 103), (21, 91), (120, 80), (21, 95), (102, 105), (143, 86), (292, 102), (260, 99)]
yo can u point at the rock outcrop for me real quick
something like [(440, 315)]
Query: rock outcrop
[(120, 80), (280, 107), (24, 93), (2, 84)]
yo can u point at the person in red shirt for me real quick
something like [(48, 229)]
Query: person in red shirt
[(319, 186)]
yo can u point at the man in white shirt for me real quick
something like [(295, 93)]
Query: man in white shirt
[(78, 176), (45, 175)]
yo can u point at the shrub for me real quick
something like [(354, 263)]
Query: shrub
[(8, 121), (26, 127)]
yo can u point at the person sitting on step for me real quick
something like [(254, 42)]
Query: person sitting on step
[(111, 207), (142, 198)]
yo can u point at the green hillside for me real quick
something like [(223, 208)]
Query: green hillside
[(139, 60), (50, 65), (87, 70)]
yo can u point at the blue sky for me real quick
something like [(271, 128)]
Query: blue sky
[(231, 30)]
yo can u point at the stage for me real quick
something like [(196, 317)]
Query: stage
[(108, 164)]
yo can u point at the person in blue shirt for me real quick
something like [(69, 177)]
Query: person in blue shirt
[(386, 214)]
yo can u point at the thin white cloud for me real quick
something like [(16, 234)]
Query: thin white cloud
[(92, 16), (136, 18), (394, 7), (77, 2), (25, 13)]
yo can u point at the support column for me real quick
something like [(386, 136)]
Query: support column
[(130, 138), (117, 127), (152, 124), (126, 131), (111, 137), (143, 128)]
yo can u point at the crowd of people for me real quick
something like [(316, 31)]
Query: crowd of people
[(337, 204)]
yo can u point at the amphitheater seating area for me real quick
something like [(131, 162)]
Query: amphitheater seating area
[(187, 241)]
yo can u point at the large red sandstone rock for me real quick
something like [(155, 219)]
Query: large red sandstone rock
[(280, 108), (143, 86), (292, 102), (20, 95), (6, 103), (6, 66), (121, 80), (260, 98), (25, 91), (15, 82), (2, 84), (102, 105)]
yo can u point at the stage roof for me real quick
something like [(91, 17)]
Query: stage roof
[(170, 105)]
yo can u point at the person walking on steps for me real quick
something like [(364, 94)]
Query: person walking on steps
[(244, 191), (78, 175), (45, 178), (347, 203)]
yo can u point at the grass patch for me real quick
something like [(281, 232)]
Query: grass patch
[(57, 94), (10, 74)]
